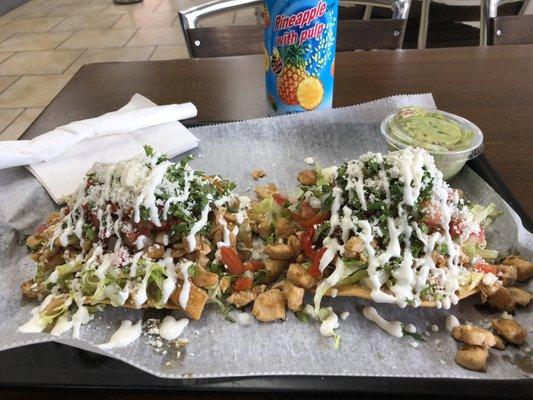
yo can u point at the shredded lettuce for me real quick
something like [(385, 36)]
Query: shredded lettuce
[(484, 215)]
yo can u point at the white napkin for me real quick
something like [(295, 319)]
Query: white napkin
[(67, 152)]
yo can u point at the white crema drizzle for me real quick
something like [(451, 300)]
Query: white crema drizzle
[(412, 274)]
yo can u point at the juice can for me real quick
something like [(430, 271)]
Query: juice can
[(299, 54)]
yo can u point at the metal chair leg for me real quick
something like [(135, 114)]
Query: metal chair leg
[(368, 13), (424, 22)]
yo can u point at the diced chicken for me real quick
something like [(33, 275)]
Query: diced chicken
[(56, 302), (242, 298), (196, 302), (294, 295), (27, 289), (500, 343), (178, 250), (279, 251), (510, 330), (294, 242), (507, 273), (259, 289), (489, 290), (264, 229), (34, 241), (439, 260), (155, 251), (258, 174), (472, 357), (502, 300), (520, 296), (274, 268), (269, 306), (307, 177), (473, 335), (263, 192), (203, 278), (353, 247), (524, 269), (225, 283), (284, 228), (298, 275)]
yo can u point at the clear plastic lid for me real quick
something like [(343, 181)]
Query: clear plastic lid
[(436, 131)]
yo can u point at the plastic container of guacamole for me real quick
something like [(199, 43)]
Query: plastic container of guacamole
[(450, 139)]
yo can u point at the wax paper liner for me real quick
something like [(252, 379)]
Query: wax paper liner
[(219, 348)]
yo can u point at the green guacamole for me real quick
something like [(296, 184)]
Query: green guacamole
[(430, 130)]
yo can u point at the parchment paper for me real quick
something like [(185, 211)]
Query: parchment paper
[(219, 348)]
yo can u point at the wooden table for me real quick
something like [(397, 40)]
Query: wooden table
[(491, 86)]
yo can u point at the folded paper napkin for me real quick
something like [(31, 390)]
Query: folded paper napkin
[(59, 159)]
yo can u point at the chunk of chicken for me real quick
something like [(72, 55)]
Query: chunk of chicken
[(242, 298), (524, 268), (307, 177), (510, 330), (258, 174), (472, 357), (353, 247), (500, 343), (34, 241), (294, 242), (294, 295), (279, 251), (507, 273), (196, 302), (274, 268), (502, 300), (29, 290), (284, 228), (263, 192), (473, 335), (155, 251), (204, 279), (520, 296), (269, 306), (298, 275), (225, 283)]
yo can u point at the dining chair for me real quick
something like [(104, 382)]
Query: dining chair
[(446, 16), (517, 28), (225, 41), (514, 29)]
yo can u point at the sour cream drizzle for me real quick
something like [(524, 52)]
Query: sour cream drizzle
[(408, 166), (125, 335)]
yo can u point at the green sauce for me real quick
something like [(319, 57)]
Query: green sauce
[(430, 130)]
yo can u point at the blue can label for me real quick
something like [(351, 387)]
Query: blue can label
[(299, 54)]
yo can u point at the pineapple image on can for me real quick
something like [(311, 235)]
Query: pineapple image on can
[(300, 44)]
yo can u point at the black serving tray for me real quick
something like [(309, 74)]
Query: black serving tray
[(52, 365)]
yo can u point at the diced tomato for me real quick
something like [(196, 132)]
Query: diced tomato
[(433, 216), (41, 228), (231, 259), (478, 237), (456, 228), (242, 283), (485, 267), (308, 223), (280, 199), (306, 241), (307, 211), (253, 265), (315, 264)]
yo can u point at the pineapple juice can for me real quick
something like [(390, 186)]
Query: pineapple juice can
[(299, 54)]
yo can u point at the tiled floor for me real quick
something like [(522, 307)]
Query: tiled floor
[(44, 42)]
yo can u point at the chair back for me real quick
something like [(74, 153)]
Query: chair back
[(516, 29), (489, 12), (248, 39)]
